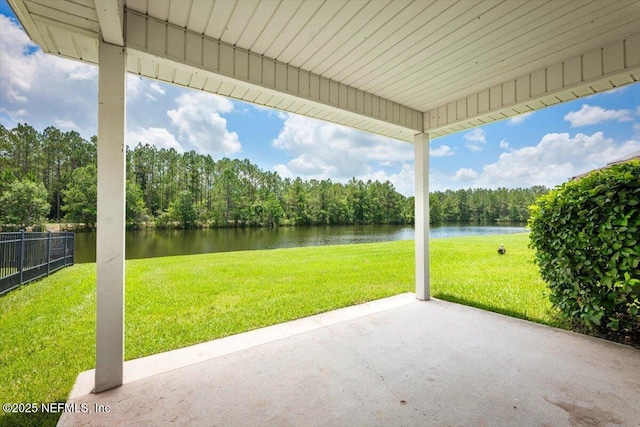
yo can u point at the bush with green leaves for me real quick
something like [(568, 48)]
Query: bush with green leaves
[(586, 237)]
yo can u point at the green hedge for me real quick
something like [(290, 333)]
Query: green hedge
[(586, 234)]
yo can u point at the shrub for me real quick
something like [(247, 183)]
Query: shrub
[(586, 234)]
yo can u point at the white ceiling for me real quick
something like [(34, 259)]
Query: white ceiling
[(408, 66)]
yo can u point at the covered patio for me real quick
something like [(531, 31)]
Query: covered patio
[(396, 361), (409, 70)]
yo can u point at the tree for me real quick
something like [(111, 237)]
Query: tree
[(136, 210), (321, 199), (24, 204), (272, 211), (435, 210), (357, 202), (6, 147), (24, 150), (183, 210), (233, 192), (297, 203), (408, 210), (482, 205), (6, 178), (143, 170), (80, 198)]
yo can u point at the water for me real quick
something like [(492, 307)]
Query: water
[(438, 232), (158, 243)]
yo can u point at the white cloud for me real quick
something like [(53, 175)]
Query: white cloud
[(504, 144), (198, 120), (159, 137), (154, 90), (45, 90), (476, 135), (476, 139), (65, 125), (18, 69), (31, 84), (465, 174), (591, 115), (306, 165), (322, 150), (619, 89), (556, 158), (135, 86), (84, 73), (519, 119), (403, 181), (155, 87), (14, 115), (271, 111), (443, 150), (283, 171)]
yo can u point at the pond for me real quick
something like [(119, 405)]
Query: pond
[(157, 243)]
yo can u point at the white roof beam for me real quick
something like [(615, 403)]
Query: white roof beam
[(22, 13), (609, 66), (111, 18), (170, 43)]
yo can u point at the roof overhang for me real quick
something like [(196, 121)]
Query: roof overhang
[(392, 68)]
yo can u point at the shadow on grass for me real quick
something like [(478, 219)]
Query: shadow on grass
[(554, 319)]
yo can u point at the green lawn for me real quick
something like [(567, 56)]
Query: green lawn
[(47, 327)]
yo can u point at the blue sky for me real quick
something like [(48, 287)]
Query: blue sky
[(542, 148)]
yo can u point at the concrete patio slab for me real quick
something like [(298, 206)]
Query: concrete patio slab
[(412, 363)]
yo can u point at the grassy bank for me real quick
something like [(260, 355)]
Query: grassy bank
[(47, 327)]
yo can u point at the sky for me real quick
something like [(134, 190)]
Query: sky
[(545, 147)]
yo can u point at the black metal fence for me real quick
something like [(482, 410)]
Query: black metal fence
[(28, 256)]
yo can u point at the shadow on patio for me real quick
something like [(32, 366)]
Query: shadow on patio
[(397, 361)]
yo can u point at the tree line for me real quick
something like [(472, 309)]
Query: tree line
[(483, 206), (51, 176)]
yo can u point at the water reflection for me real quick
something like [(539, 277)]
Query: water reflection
[(157, 243)]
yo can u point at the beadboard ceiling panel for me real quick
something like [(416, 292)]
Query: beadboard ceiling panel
[(395, 67)]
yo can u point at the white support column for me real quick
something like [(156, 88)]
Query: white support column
[(421, 149), (111, 217)]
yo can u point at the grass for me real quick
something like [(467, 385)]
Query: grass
[(47, 327), (469, 271)]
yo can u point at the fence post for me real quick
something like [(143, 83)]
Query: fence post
[(73, 251), (48, 251), (21, 253), (66, 247)]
